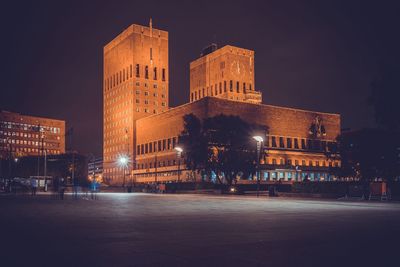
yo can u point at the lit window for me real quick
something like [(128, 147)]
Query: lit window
[(146, 72)]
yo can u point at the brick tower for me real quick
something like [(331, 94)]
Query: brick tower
[(135, 86)]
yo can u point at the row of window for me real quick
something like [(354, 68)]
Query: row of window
[(299, 143), (28, 127), (160, 163), (127, 73), (28, 150), (289, 176), (27, 142), (216, 90), (296, 162), (159, 174), (27, 135), (160, 145)]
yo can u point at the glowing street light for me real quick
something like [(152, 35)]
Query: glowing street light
[(259, 140), (123, 162), (179, 151)]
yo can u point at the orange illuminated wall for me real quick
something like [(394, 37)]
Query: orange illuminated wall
[(135, 86), (226, 73)]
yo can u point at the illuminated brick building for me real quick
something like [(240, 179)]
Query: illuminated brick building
[(135, 86), (22, 135), (221, 81), (226, 73)]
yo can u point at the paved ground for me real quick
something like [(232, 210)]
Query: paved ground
[(190, 230)]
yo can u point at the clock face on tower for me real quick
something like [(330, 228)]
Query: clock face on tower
[(237, 68)]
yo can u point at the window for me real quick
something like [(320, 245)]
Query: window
[(303, 143), (296, 162), (137, 101), (146, 148), (281, 143), (282, 162), (146, 72), (220, 88), (155, 73), (274, 161), (164, 144), (174, 142), (203, 92), (296, 143), (244, 87), (231, 86), (225, 86), (303, 162), (130, 71), (123, 77), (289, 142), (163, 74), (137, 71), (216, 89), (151, 53), (250, 87), (237, 87), (273, 141), (191, 97)]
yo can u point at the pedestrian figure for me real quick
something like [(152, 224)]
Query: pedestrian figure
[(34, 186), (93, 189)]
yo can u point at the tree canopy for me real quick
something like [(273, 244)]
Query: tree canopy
[(220, 145), (369, 154)]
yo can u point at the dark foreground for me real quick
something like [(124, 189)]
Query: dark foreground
[(190, 230)]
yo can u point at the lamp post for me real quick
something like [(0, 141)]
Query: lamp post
[(179, 151), (259, 141), (123, 162)]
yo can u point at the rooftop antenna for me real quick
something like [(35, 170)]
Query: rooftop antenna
[(151, 27)]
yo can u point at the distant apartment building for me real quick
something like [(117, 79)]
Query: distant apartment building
[(22, 135), (95, 168)]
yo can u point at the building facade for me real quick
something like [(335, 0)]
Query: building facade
[(226, 73), (222, 81), (95, 168), (135, 86), (296, 146), (22, 135)]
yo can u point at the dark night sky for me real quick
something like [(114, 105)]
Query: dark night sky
[(318, 55)]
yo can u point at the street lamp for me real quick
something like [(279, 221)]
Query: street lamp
[(259, 141), (123, 162), (179, 151)]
